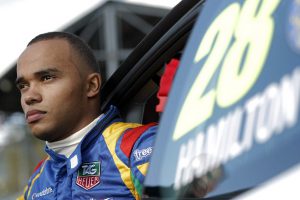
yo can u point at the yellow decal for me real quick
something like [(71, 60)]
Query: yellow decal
[(251, 30)]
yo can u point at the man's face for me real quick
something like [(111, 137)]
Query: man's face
[(52, 90)]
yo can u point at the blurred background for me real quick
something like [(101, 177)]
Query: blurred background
[(111, 28)]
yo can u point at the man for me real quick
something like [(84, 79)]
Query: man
[(90, 155)]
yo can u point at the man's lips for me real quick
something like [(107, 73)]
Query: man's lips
[(34, 115)]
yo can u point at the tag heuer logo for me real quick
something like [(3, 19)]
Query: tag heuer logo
[(88, 175)]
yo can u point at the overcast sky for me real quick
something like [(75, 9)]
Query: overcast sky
[(21, 20)]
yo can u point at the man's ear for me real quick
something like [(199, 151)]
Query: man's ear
[(93, 84)]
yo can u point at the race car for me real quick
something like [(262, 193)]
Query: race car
[(230, 126)]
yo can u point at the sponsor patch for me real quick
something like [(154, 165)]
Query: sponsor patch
[(44, 192), (88, 175), (143, 153)]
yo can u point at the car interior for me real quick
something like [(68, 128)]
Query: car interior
[(134, 86)]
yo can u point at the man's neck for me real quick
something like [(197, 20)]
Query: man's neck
[(67, 146)]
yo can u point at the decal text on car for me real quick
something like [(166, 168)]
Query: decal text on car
[(232, 48)]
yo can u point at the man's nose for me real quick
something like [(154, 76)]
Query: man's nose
[(32, 96)]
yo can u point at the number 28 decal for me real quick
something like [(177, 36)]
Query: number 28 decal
[(251, 28)]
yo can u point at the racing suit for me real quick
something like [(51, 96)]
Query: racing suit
[(109, 163)]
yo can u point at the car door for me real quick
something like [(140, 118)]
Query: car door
[(231, 122)]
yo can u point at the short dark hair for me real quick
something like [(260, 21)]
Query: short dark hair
[(81, 47)]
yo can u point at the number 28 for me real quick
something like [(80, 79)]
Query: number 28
[(251, 28)]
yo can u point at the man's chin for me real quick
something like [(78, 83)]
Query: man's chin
[(41, 136), (41, 133)]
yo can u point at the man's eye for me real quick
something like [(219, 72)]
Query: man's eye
[(47, 77), (21, 86)]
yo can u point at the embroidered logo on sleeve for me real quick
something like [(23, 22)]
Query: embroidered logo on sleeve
[(46, 191), (88, 175), (143, 153)]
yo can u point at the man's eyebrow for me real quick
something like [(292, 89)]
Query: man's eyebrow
[(39, 73), (19, 80), (47, 71)]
